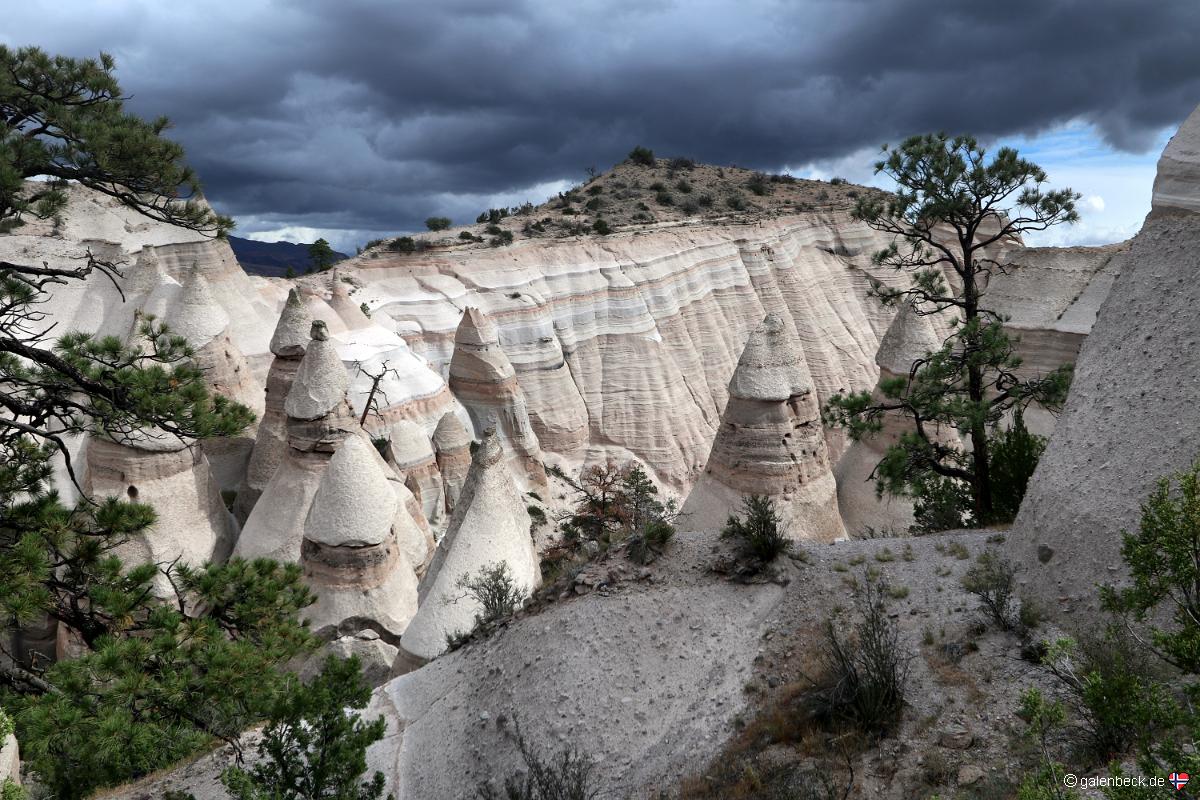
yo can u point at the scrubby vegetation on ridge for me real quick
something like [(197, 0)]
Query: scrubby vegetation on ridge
[(641, 190)]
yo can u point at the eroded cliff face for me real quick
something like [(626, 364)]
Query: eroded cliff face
[(624, 345), (1134, 404)]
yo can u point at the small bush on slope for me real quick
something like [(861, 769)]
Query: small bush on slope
[(758, 532), (495, 589), (643, 156), (618, 505), (1109, 687), (1119, 705), (566, 775), (992, 580), (864, 676)]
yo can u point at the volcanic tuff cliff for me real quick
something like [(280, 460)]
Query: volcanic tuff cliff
[(1133, 409), (622, 346)]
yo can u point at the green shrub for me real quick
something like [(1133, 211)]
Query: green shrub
[(941, 504), (837, 181), (567, 775), (657, 186), (682, 164), (438, 223), (705, 200), (466, 236), (1044, 721), (502, 238), (536, 515), (496, 591), (594, 204), (1014, 456), (992, 579), (1107, 680), (758, 532), (664, 199), (601, 227), (1164, 576), (690, 207), (1030, 614), (1165, 571), (493, 229), (759, 184), (315, 743), (642, 156), (864, 676), (736, 202), (404, 244), (492, 215), (683, 187), (595, 189)]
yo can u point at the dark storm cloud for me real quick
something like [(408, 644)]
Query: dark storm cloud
[(368, 115)]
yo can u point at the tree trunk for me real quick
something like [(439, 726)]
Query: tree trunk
[(981, 484)]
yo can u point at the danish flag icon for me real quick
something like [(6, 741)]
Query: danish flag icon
[(1178, 780)]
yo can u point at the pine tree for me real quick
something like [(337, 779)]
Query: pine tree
[(156, 678), (315, 745), (321, 255), (952, 209)]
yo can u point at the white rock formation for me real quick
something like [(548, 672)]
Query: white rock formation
[(453, 446), (203, 322), (489, 525), (351, 554), (484, 381), (770, 442), (192, 522), (410, 451), (288, 344), (319, 419), (10, 761), (1049, 298), (1134, 403)]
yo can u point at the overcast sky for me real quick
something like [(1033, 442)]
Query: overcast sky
[(355, 119)]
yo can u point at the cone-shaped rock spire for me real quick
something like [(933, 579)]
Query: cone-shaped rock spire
[(321, 382), (288, 344), (197, 316), (484, 381), (489, 525), (770, 442), (294, 329), (275, 526), (351, 555), (909, 337), (453, 446), (354, 505)]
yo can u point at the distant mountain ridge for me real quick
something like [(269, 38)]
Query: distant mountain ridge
[(272, 259)]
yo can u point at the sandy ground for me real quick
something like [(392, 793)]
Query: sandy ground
[(652, 677)]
